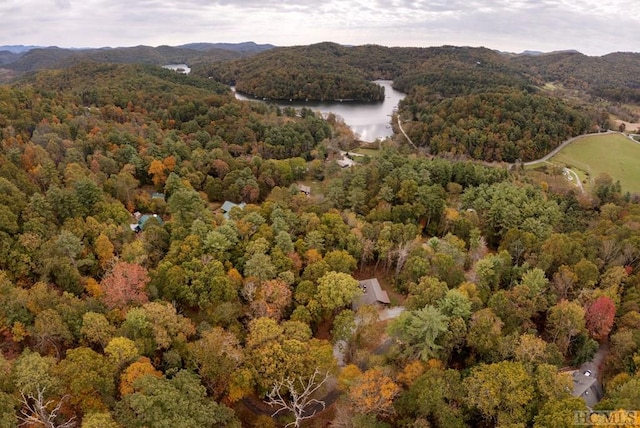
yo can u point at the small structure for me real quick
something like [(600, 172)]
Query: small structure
[(228, 206), (587, 387), (304, 189), (157, 195), (142, 220), (345, 162), (373, 294)]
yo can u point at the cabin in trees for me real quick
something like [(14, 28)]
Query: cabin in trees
[(304, 189), (587, 387), (142, 221), (228, 206), (373, 294)]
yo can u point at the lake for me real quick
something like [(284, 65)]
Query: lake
[(368, 121)]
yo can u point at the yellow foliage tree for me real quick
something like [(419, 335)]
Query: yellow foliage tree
[(136, 370), (374, 392), (411, 372)]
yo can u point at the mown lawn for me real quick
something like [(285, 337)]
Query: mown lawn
[(364, 151), (613, 154)]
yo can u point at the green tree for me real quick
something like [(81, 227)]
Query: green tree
[(179, 402), (419, 331), (336, 290), (565, 321)]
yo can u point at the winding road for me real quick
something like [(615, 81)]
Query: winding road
[(564, 144)]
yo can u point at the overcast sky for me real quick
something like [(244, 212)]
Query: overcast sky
[(594, 27)]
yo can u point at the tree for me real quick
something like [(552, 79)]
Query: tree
[(337, 290), (260, 266), (88, 378), (125, 284), (500, 391), (49, 329), (419, 331), (565, 321), (104, 250), (373, 393), (99, 420), (296, 397), (560, 413), (277, 297), (32, 373), (599, 317), (179, 402), (485, 333), (121, 351), (96, 328), (36, 411), (216, 354), (435, 395), (139, 368)]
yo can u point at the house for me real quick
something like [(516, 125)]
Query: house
[(228, 206), (142, 220), (373, 294), (345, 162), (587, 387), (304, 189)]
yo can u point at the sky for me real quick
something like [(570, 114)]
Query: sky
[(593, 27)]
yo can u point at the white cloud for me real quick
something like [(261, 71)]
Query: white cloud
[(593, 27)]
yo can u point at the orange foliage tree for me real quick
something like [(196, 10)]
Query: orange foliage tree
[(374, 392), (124, 284)]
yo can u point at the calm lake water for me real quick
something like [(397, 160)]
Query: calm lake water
[(369, 121)]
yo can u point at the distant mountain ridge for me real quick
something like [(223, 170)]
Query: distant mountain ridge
[(21, 59)]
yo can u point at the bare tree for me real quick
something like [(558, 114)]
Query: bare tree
[(296, 397), (35, 411)]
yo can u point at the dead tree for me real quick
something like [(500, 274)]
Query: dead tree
[(35, 411), (296, 397)]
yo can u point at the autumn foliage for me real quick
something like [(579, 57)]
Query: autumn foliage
[(125, 284), (599, 317), (374, 393)]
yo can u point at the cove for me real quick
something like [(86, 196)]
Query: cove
[(368, 121)]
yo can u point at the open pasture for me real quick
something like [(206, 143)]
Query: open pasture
[(613, 154)]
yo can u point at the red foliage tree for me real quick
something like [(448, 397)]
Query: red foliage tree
[(599, 317), (124, 284)]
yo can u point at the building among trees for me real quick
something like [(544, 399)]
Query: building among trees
[(373, 294)]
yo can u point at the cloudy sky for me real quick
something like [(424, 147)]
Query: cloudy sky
[(594, 27)]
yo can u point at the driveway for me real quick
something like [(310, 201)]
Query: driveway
[(596, 364)]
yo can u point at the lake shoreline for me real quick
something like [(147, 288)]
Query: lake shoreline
[(369, 121)]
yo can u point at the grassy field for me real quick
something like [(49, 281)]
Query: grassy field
[(369, 152), (613, 154)]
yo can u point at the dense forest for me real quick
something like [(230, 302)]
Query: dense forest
[(129, 299), (453, 92)]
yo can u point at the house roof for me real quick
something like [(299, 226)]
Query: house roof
[(304, 189), (146, 217), (142, 219), (587, 388), (228, 206), (345, 162), (373, 293)]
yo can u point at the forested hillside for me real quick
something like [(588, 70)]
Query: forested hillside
[(453, 91), (128, 298)]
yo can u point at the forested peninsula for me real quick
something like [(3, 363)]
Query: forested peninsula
[(172, 256)]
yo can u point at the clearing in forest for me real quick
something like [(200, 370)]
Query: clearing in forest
[(613, 154)]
